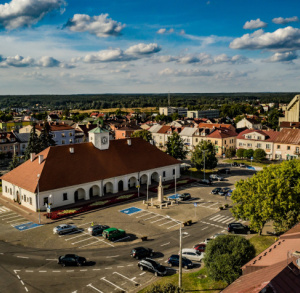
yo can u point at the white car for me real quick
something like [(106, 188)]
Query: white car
[(216, 177), (64, 228), (192, 254), (206, 240)]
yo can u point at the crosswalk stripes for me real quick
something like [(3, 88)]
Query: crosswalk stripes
[(4, 210), (225, 219)]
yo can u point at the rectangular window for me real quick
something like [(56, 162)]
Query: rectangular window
[(288, 148), (240, 144), (164, 174), (297, 150), (71, 134), (63, 142), (71, 141), (45, 200), (63, 135), (30, 200), (216, 142), (65, 196), (268, 146), (224, 141), (24, 197), (249, 144), (278, 146), (259, 145), (173, 171), (196, 139), (53, 135), (5, 188)]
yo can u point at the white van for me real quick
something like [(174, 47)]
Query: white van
[(192, 254)]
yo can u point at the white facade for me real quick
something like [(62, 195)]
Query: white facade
[(245, 123)]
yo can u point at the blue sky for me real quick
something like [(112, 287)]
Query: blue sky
[(95, 46)]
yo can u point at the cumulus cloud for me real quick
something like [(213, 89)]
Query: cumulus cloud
[(186, 72), (22, 13), (165, 31), (287, 38), (287, 57), (100, 25), (132, 53), (254, 24), (281, 20), (47, 61), (161, 31)]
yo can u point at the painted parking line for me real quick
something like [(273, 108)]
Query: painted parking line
[(4, 209), (15, 220), (82, 240), (90, 244), (131, 210), (204, 228), (151, 217), (113, 284), (145, 214), (125, 277), (166, 244), (163, 218), (84, 224), (96, 289), (10, 217), (122, 239), (80, 235), (173, 226), (7, 214), (166, 223)]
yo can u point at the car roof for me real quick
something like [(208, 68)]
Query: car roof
[(188, 250)]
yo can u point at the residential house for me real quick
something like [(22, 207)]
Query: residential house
[(65, 171), (53, 117), (126, 131), (160, 134), (9, 143), (257, 139), (187, 134), (23, 139), (249, 123), (287, 144)]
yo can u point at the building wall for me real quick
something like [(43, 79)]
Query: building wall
[(28, 199), (292, 113), (267, 146), (213, 113), (285, 151), (121, 134)]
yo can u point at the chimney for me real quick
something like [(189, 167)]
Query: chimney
[(32, 157), (71, 150), (129, 141), (41, 158)]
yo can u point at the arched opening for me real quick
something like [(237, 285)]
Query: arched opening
[(132, 182), (79, 194), (154, 177), (120, 185), (108, 188), (18, 198), (144, 179), (94, 191)]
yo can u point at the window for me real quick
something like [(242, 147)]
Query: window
[(53, 135), (70, 134), (5, 188), (65, 196), (196, 139), (164, 174), (259, 145), (45, 200), (240, 144), (249, 144), (278, 146), (288, 148), (24, 197), (224, 141), (216, 142), (63, 135), (11, 147), (30, 200), (63, 142), (71, 140), (173, 171), (297, 150), (268, 146), (123, 134)]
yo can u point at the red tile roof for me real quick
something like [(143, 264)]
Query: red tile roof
[(288, 136), (285, 124), (214, 125), (164, 129), (60, 168), (222, 133), (55, 127), (269, 134)]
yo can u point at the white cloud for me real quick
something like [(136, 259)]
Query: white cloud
[(47, 61), (282, 39), (281, 20), (100, 25), (186, 72), (143, 49), (105, 56), (165, 31), (282, 57), (16, 61), (254, 24), (22, 13), (161, 31)]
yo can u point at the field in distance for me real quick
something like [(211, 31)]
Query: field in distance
[(147, 109)]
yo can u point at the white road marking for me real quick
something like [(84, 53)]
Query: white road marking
[(6, 214), (82, 240), (147, 213), (213, 204), (173, 226), (22, 256), (84, 224), (56, 271), (125, 277), (204, 228), (112, 256), (17, 224), (51, 259), (166, 244), (96, 269), (159, 220), (18, 277), (91, 243), (27, 271), (108, 268), (129, 265), (215, 217), (42, 271), (143, 273), (83, 270), (228, 220), (151, 217), (82, 234), (70, 271), (122, 239), (90, 285), (15, 220), (220, 219), (26, 289), (10, 217), (113, 284), (166, 223), (186, 236), (120, 266), (22, 282)]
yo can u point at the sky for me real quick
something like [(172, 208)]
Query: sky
[(135, 46)]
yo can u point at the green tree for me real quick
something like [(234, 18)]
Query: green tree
[(14, 163), (46, 137), (259, 155), (230, 152), (268, 195), (273, 118), (225, 255), (144, 134), (292, 218), (176, 147), (205, 150), (240, 153), (248, 153), (166, 288), (33, 144)]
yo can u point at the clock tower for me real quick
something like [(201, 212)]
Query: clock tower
[(99, 137)]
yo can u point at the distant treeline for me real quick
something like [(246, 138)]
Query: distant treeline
[(106, 101)]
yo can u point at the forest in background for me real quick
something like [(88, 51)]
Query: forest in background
[(195, 101)]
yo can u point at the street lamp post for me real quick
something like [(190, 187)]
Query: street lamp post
[(203, 152), (38, 197), (175, 180)]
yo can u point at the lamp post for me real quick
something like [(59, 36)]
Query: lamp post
[(203, 152), (38, 197), (175, 180), (147, 192)]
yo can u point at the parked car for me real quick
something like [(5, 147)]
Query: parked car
[(64, 228), (71, 260), (217, 235), (235, 164), (242, 165), (113, 234), (173, 260), (152, 266), (97, 229), (192, 254), (224, 191), (185, 196), (205, 181), (229, 193), (200, 247), (216, 190), (224, 171), (141, 252), (216, 177), (206, 240), (238, 228)]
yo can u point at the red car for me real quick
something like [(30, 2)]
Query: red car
[(200, 247)]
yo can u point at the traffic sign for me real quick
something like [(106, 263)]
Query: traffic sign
[(195, 204)]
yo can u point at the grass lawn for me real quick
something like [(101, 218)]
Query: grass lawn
[(196, 281), (248, 162), (193, 172), (262, 242)]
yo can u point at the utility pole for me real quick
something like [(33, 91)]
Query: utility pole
[(180, 258)]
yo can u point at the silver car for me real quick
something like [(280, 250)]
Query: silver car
[(64, 228), (97, 229)]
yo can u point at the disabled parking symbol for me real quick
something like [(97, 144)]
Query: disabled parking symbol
[(130, 211)]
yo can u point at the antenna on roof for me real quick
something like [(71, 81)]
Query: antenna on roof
[(169, 99)]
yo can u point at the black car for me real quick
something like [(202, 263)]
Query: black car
[(141, 252), (235, 164), (205, 181), (185, 196), (71, 260), (216, 190), (238, 228), (224, 171), (173, 260), (97, 229), (224, 191), (152, 266)]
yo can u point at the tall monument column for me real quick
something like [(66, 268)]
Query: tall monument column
[(160, 191)]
